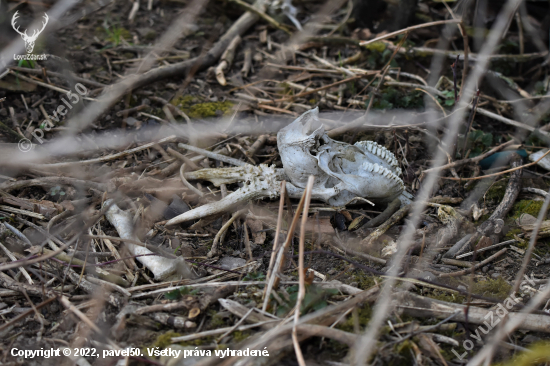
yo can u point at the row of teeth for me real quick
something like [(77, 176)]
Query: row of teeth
[(380, 151), (377, 169)]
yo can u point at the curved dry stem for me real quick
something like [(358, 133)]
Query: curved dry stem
[(301, 270), (267, 291), (214, 250), (187, 184)]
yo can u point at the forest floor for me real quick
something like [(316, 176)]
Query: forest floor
[(107, 259)]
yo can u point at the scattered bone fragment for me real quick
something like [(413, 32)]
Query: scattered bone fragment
[(544, 162), (389, 250), (162, 268), (177, 322), (286, 8)]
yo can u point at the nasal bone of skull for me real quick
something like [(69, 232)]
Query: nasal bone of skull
[(312, 123)]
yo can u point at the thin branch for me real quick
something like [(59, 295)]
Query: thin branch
[(407, 30), (302, 270), (502, 172)]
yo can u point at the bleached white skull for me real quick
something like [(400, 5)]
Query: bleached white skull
[(342, 171)]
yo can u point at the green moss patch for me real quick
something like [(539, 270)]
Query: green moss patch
[(239, 336), (198, 342), (391, 98), (364, 314), (164, 340), (511, 233), (376, 46), (216, 321), (530, 207), (495, 194), (196, 107), (497, 288), (446, 296), (536, 354), (114, 34), (403, 357), (315, 299), (365, 280)]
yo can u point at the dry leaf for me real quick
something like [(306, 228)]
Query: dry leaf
[(484, 242), (347, 215), (256, 227), (308, 276)]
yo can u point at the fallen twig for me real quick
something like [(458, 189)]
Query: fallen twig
[(477, 159), (395, 218), (480, 264), (416, 305), (268, 289), (407, 30), (489, 227), (214, 250), (227, 59), (301, 270)]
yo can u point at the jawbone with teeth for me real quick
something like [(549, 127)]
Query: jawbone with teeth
[(342, 171)]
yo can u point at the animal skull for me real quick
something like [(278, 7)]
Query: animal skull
[(342, 171)]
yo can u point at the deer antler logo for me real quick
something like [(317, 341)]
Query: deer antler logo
[(29, 40)]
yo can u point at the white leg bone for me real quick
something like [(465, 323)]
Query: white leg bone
[(162, 268)]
